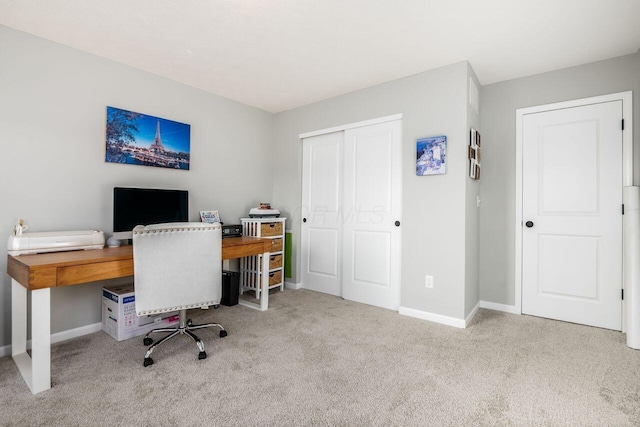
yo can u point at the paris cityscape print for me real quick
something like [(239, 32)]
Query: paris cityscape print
[(139, 139)]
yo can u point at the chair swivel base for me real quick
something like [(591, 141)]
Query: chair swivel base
[(185, 327)]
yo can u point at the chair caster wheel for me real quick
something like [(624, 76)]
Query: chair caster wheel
[(223, 334), (202, 355), (148, 361), (147, 341)]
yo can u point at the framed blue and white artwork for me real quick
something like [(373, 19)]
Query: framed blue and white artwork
[(431, 156), (139, 139)]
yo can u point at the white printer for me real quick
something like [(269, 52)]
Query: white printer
[(54, 241), (264, 211)]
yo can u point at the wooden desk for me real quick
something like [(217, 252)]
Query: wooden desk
[(39, 273)]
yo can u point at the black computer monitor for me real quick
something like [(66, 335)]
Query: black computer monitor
[(144, 206)]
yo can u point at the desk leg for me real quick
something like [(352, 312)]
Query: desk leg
[(36, 370), (264, 287), (264, 300), (18, 319)]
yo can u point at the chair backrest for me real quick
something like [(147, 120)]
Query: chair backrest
[(177, 266)]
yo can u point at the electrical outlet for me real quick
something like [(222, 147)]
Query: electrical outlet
[(428, 282)]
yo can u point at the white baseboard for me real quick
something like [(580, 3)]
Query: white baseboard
[(471, 315), (499, 307), (432, 317), (60, 336), (292, 285), (5, 351)]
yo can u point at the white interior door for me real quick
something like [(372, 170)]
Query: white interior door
[(572, 219), (321, 239), (372, 214)]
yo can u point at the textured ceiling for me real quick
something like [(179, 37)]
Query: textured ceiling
[(281, 54)]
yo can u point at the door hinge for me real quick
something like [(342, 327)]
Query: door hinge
[(623, 209), (622, 293), (622, 124)]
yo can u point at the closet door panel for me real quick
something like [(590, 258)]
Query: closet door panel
[(372, 205), (321, 239)]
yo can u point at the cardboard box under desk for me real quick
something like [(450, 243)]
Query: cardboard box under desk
[(119, 317)]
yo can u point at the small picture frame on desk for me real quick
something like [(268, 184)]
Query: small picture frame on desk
[(209, 216)]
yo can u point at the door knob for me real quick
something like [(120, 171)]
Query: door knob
[(529, 224), (304, 219), (397, 223)]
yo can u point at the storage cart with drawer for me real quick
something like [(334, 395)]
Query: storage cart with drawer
[(250, 274)]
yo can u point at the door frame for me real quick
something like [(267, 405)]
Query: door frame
[(627, 169), (351, 126)]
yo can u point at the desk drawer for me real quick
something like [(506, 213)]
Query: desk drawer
[(100, 271)]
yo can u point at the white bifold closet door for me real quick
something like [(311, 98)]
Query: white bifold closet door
[(352, 205)]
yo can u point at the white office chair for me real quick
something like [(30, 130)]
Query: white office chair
[(177, 266)]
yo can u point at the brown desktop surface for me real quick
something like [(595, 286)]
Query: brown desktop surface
[(49, 270)]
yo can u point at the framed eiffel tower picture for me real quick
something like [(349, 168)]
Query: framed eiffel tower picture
[(140, 139)]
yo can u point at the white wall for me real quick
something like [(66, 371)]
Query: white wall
[(433, 225), (498, 103), (52, 135)]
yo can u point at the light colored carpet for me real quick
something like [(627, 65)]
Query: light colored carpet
[(314, 359)]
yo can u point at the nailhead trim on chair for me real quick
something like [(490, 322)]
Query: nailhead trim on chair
[(173, 230), (177, 308)]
